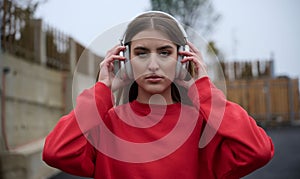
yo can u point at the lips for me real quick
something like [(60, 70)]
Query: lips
[(154, 78)]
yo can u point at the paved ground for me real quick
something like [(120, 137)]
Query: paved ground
[(285, 164), (286, 161)]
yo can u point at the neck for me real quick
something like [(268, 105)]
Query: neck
[(164, 98)]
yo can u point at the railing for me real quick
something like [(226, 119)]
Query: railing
[(248, 69), (17, 31), (57, 49), (37, 42)]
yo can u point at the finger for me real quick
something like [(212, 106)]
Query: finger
[(186, 59), (108, 60), (115, 50), (189, 55), (190, 59), (194, 59), (199, 65), (186, 53)]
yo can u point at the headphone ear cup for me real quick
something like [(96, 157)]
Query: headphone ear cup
[(126, 69), (178, 64), (181, 68), (178, 69)]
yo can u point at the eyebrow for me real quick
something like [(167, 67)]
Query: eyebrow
[(159, 48), (140, 48), (165, 47)]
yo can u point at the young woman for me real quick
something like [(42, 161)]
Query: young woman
[(169, 124)]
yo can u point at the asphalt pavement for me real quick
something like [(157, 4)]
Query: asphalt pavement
[(286, 161), (284, 165)]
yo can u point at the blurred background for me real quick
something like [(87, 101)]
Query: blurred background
[(256, 41)]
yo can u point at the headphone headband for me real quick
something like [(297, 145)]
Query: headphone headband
[(158, 12)]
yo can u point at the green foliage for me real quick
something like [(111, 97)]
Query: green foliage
[(198, 14)]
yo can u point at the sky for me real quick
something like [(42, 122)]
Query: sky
[(248, 29)]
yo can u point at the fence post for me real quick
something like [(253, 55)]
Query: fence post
[(3, 26), (268, 100), (73, 57), (39, 43), (291, 101)]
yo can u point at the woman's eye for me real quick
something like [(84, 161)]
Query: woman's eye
[(141, 54), (164, 53)]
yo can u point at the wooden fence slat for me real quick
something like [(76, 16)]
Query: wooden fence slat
[(256, 94)]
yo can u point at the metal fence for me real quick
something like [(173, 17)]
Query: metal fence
[(17, 31), (57, 48), (250, 69), (37, 42)]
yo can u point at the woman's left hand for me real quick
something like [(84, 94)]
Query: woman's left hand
[(193, 56)]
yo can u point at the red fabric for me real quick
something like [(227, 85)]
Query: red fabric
[(238, 147)]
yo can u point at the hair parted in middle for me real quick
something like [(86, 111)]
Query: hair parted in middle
[(167, 25), (159, 21)]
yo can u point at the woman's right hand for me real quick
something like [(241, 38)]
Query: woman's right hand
[(106, 74)]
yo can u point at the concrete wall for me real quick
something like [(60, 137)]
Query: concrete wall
[(33, 100)]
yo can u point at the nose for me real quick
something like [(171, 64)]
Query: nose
[(153, 65)]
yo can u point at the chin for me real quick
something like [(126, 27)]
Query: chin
[(155, 90)]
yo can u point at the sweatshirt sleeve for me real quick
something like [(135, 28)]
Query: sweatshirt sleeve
[(66, 147), (232, 145)]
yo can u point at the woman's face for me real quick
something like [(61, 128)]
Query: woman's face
[(153, 59)]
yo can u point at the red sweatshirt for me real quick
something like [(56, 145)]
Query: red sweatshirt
[(164, 144)]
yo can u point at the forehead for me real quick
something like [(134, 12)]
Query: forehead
[(151, 36)]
